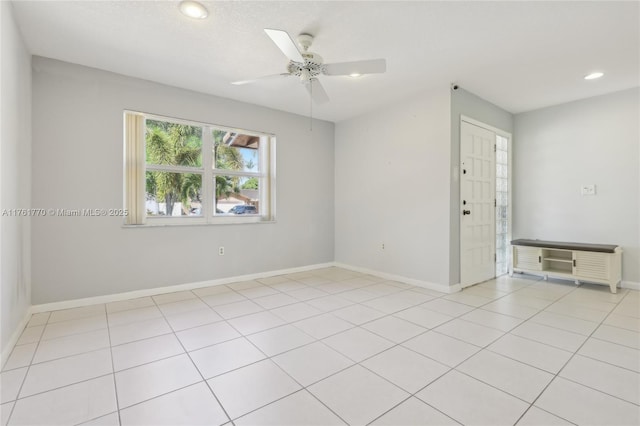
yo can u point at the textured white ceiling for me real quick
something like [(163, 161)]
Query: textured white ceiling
[(518, 55)]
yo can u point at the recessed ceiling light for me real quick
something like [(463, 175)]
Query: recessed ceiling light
[(354, 75), (193, 9), (593, 75)]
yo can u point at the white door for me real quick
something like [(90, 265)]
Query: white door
[(477, 204)]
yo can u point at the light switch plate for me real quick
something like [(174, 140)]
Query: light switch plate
[(588, 189)]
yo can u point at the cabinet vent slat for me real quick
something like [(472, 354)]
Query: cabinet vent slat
[(527, 258), (590, 265), (591, 261), (591, 274)]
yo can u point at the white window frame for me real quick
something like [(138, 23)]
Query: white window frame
[(265, 175)]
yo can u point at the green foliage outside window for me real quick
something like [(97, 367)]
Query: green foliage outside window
[(173, 144)]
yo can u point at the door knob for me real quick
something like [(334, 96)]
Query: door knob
[(466, 212)]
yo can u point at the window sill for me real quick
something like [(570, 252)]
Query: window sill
[(164, 224)]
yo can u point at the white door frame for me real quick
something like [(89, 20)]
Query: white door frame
[(508, 136)]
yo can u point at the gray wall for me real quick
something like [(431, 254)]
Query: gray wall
[(558, 149), (472, 106), (77, 163), (15, 167), (392, 187)]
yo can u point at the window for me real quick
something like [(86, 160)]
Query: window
[(502, 205), (179, 172)]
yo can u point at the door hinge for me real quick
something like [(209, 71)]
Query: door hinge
[(495, 258), (495, 203), (494, 148)]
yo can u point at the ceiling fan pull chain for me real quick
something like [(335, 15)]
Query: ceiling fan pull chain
[(311, 105)]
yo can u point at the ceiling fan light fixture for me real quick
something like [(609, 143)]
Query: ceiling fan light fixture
[(305, 75), (193, 9), (593, 75)]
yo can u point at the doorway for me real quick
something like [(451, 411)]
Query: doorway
[(484, 202)]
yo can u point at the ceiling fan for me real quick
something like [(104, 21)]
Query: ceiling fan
[(308, 66)]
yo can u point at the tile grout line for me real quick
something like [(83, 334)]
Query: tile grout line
[(554, 374), (331, 312), (303, 387), (242, 335), (590, 336), (608, 363), (64, 386), (185, 352), (552, 327), (573, 354), (24, 379), (113, 368), (407, 399), (331, 348), (509, 332), (486, 348), (267, 357), (73, 354), (224, 410), (400, 345), (213, 309), (411, 394)]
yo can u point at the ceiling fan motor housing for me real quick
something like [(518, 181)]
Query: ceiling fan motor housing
[(312, 66)]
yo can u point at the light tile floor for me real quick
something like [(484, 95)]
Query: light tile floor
[(331, 347)]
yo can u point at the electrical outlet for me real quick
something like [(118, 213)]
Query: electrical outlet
[(588, 190), (220, 251), (382, 246)]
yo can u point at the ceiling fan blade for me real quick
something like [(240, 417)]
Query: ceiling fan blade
[(283, 40), (317, 92), (266, 77), (371, 66)]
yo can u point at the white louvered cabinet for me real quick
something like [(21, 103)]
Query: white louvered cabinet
[(591, 265), (527, 258), (595, 263)]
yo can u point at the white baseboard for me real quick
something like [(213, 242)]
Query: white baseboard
[(419, 283), (75, 303), (56, 306), (4, 356)]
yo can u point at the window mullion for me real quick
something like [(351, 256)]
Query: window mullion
[(172, 169), (228, 172)]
